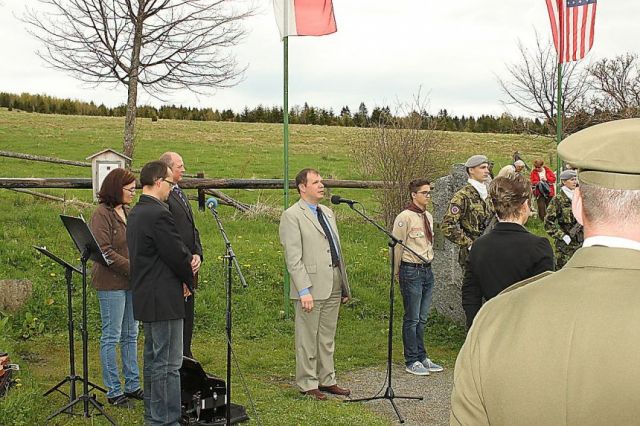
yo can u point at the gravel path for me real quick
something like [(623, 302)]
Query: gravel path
[(435, 388)]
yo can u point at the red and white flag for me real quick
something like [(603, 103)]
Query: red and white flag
[(304, 17), (572, 26)]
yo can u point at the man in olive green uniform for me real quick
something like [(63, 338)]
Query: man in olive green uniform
[(562, 349), (560, 223), (470, 211)]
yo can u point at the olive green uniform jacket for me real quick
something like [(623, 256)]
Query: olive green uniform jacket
[(466, 219), (560, 350), (559, 222)]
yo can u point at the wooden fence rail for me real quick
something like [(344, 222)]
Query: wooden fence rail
[(187, 183)]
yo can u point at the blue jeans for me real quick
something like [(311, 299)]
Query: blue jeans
[(162, 362), (118, 326), (416, 286)]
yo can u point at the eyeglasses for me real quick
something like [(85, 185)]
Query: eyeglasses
[(171, 184), (425, 193), (131, 190)]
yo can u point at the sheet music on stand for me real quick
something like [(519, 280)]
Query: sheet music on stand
[(84, 239)]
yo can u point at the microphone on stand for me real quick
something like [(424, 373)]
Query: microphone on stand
[(336, 199), (211, 203)]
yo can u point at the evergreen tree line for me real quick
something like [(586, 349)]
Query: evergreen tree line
[(305, 114)]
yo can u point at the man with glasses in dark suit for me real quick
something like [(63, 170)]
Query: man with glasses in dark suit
[(161, 276)]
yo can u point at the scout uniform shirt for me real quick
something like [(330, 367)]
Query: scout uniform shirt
[(409, 227)]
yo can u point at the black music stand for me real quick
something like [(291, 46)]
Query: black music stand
[(72, 377), (89, 249)]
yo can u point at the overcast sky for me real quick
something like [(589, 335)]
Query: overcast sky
[(384, 51)]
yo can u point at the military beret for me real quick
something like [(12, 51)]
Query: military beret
[(606, 155), (476, 160), (567, 174)]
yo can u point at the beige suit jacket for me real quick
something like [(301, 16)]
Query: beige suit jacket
[(561, 350), (306, 251)]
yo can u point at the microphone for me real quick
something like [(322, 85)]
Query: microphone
[(211, 203), (336, 199)]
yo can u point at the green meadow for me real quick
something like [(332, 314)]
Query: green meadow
[(263, 374)]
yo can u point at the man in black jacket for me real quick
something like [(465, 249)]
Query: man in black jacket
[(183, 216), (508, 253), (161, 276)]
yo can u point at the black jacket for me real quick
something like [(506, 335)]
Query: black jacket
[(183, 216), (506, 255), (159, 262)]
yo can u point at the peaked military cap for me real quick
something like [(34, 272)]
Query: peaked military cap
[(567, 174), (476, 160), (606, 155)]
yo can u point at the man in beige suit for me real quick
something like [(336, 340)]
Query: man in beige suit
[(309, 235), (563, 349)]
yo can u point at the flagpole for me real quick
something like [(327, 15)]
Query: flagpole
[(559, 119), (560, 51), (285, 120)]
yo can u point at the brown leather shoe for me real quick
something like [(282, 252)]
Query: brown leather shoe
[(336, 390), (316, 394)]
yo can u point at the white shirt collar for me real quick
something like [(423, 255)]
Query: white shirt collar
[(618, 242), (480, 187)]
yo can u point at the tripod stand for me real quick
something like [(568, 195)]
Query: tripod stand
[(231, 261), (89, 249), (72, 377), (389, 394)]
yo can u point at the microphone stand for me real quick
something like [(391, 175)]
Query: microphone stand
[(389, 393), (231, 261)]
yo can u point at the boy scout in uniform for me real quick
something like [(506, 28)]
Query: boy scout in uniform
[(414, 226), (470, 211), (563, 348), (560, 223)]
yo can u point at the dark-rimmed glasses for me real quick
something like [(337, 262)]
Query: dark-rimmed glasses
[(171, 183)]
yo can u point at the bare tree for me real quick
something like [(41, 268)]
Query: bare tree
[(532, 85), (398, 151), (159, 45), (617, 85)]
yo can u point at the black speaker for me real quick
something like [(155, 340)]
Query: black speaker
[(204, 397)]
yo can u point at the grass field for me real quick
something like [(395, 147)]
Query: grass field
[(263, 339)]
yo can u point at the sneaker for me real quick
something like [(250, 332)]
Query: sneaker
[(418, 369), (432, 366), (136, 394), (120, 401)]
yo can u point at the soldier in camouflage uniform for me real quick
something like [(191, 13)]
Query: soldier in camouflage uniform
[(470, 212), (560, 223)]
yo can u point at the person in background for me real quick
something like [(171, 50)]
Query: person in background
[(186, 226), (508, 253), (510, 170), (542, 179), (414, 226), (109, 225), (560, 223), (470, 212), (561, 349)]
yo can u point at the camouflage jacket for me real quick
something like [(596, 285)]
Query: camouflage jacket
[(467, 216), (560, 221)]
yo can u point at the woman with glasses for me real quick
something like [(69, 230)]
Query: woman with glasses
[(508, 253), (109, 226)]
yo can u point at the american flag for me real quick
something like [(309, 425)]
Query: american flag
[(572, 25)]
